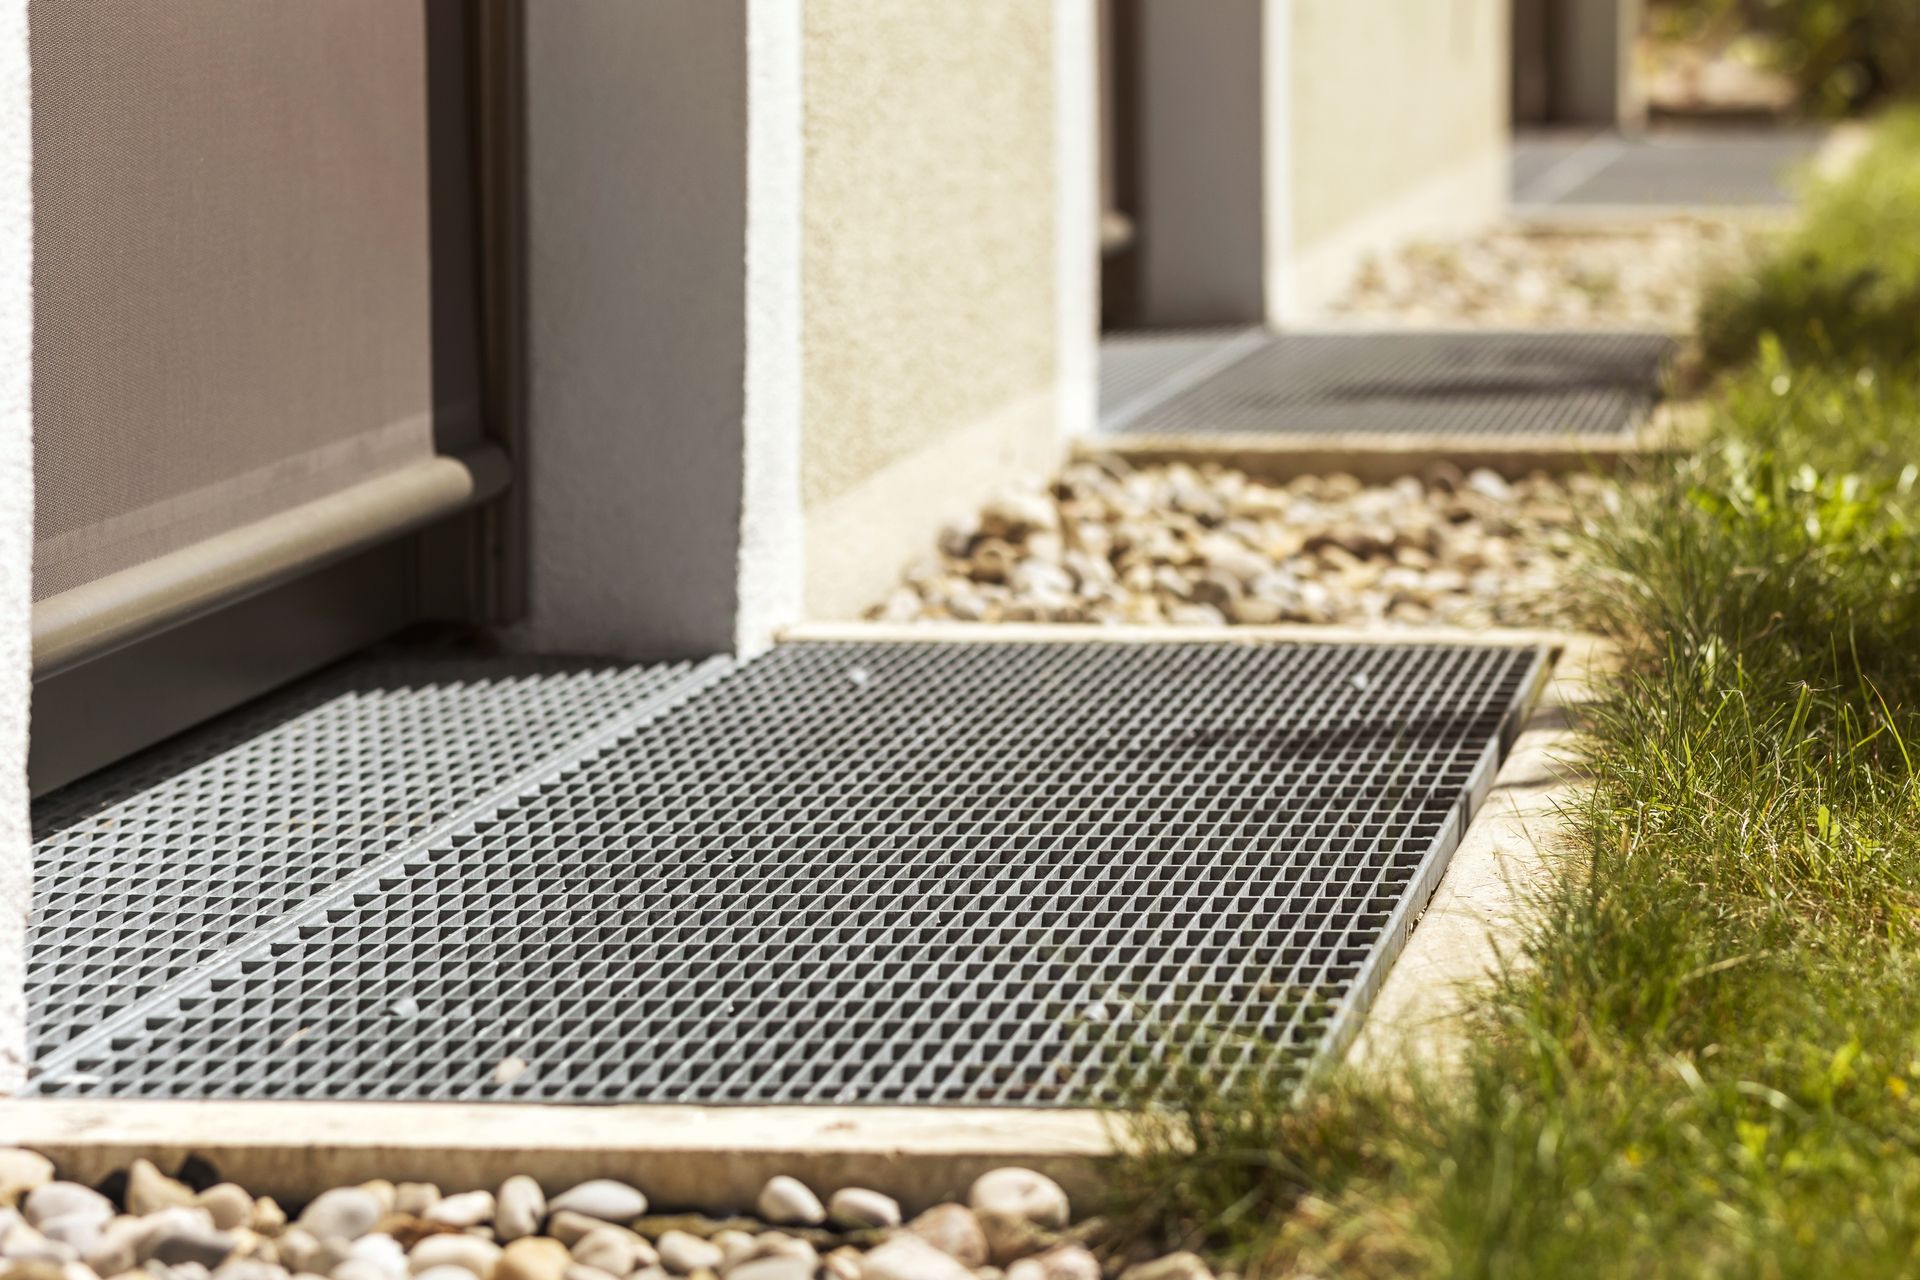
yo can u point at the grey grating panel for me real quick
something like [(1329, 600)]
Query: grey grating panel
[(1404, 383), (1139, 367), (150, 869), (903, 872), (1707, 168)]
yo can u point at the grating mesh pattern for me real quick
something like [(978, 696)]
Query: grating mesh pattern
[(1139, 367), (1709, 168), (152, 869), (905, 872), (1399, 383)]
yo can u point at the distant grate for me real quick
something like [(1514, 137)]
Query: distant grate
[(151, 869), (1703, 168), (1420, 383), (940, 873)]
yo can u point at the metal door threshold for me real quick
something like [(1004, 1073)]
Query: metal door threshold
[(1391, 384), (999, 873)]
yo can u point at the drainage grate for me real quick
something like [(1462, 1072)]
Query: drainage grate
[(903, 872), (152, 869), (1708, 168), (1139, 367), (1418, 383)]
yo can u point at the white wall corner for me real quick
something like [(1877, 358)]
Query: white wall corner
[(1280, 258), (16, 530), (772, 558), (1076, 90)]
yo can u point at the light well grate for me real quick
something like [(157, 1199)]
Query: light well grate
[(1419, 383), (893, 872)]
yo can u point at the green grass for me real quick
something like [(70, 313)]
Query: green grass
[(1706, 1059), (1845, 286)]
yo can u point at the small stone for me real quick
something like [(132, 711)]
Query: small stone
[(569, 1227), (344, 1213), (175, 1244), (227, 1204), (440, 1273), (842, 1264), (735, 1247), (1175, 1266), (519, 1208), (954, 1231), (1011, 1237), (301, 1250), (684, 1254), (778, 1244), (361, 1269), (1016, 514), (385, 1192), (117, 1247), (25, 1244), (789, 1202), (1021, 1193), (415, 1198), (1068, 1262), (22, 1171), (858, 1207), (581, 1271), (268, 1218), (79, 1230), (773, 1267), (468, 1209), (384, 1252), (64, 1199), (533, 1258), (249, 1269), (469, 1252), (602, 1198), (613, 1249), (908, 1257), (149, 1190)]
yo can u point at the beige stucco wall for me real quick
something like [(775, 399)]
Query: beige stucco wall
[(1396, 111), (929, 325), (16, 530)]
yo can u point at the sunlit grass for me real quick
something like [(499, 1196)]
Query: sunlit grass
[(1706, 1059)]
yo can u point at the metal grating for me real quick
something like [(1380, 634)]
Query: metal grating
[(902, 872), (1706, 169), (1140, 366), (1419, 383), (145, 872)]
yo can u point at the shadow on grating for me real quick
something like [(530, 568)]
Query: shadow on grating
[(1417, 383), (860, 873)]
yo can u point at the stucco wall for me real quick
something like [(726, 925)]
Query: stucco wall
[(1397, 115), (16, 527), (662, 324), (930, 325)]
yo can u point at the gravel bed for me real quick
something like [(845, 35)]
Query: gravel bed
[(1644, 276), (1208, 546), (145, 1225)]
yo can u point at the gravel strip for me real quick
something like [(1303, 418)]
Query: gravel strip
[(1207, 545), (1644, 276), (143, 1224)]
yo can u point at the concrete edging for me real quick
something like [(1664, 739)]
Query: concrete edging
[(718, 1158)]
